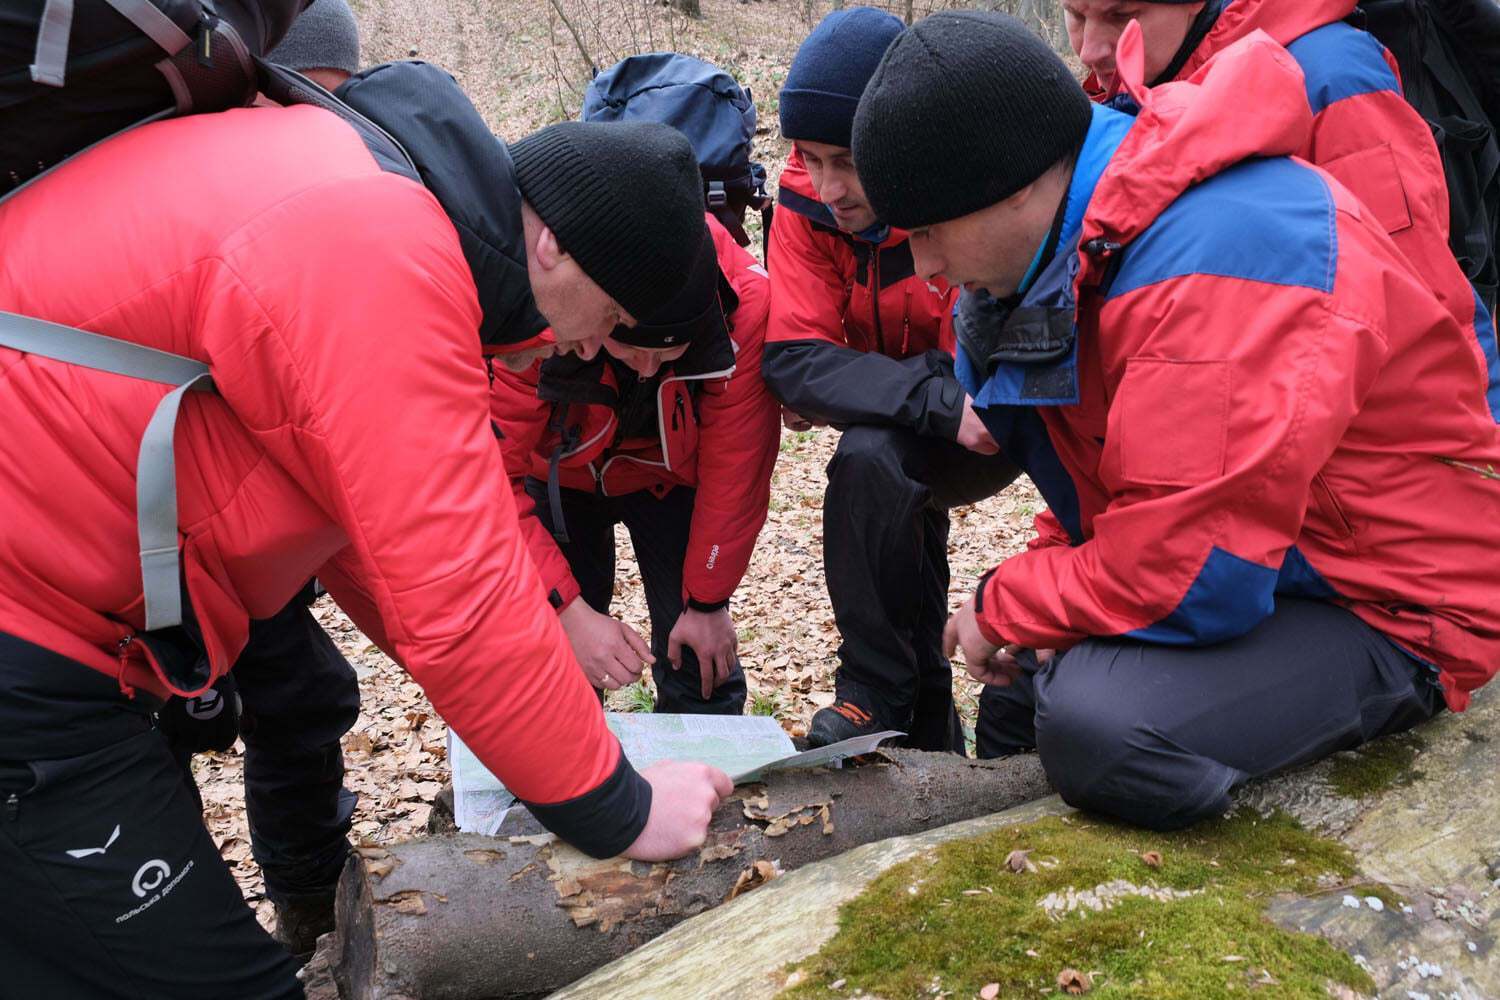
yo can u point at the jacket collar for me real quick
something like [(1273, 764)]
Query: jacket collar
[(1284, 20), (1024, 350), (470, 173)]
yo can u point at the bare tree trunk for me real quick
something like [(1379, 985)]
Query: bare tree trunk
[(909, 12), (519, 915), (577, 40), (691, 8)]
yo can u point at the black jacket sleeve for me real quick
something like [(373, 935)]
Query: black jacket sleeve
[(842, 386)]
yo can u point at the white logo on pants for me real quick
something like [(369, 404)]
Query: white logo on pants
[(150, 876), (206, 706), (83, 852)]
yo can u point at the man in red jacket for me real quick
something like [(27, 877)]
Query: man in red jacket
[(672, 432), (858, 340), (340, 308), (1263, 440), (1363, 132)]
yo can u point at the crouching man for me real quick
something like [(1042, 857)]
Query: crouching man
[(670, 431), (858, 340), (1209, 352)]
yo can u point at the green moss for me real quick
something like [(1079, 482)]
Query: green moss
[(915, 927), (1377, 766)]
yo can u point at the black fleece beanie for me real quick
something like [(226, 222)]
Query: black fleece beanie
[(964, 110), (625, 199)]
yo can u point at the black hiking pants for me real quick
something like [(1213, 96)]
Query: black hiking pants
[(658, 530), (885, 557), (298, 696), (113, 887), (1160, 735)]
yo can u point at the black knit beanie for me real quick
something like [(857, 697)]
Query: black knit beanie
[(965, 109), (625, 199)]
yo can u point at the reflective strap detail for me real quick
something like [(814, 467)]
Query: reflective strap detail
[(156, 469), (52, 43), (156, 511), (160, 28), (96, 350)]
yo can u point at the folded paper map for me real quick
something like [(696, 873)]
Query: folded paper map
[(746, 747)]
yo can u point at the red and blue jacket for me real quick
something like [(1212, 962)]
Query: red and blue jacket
[(1247, 391), (1366, 135), (705, 421), (854, 336)]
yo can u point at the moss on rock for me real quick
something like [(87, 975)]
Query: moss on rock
[(1085, 898), (1376, 767)]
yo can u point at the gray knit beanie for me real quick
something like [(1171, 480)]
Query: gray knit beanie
[(325, 36)]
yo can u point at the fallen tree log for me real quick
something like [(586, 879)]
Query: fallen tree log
[(521, 914)]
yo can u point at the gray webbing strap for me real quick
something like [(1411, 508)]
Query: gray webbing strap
[(51, 61), (95, 350), (160, 28), (156, 466), (156, 511)]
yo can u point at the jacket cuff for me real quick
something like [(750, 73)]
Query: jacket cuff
[(565, 593), (945, 407), (603, 822), (984, 626)]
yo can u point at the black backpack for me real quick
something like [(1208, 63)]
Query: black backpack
[(1449, 54), (705, 104), (74, 72)]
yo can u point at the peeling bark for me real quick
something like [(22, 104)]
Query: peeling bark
[(518, 915)]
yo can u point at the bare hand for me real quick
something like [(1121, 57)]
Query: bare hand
[(985, 661), (794, 421), (683, 799), (611, 653), (972, 433), (709, 634)]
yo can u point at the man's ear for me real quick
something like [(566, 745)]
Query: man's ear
[(548, 252)]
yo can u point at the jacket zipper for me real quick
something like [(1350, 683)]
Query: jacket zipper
[(12, 807), (875, 297), (661, 421)]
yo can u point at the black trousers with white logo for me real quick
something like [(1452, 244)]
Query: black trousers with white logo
[(113, 887), (885, 556), (659, 535)]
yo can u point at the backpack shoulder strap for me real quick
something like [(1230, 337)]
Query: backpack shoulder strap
[(156, 467)]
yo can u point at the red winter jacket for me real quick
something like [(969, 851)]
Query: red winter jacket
[(715, 428), (1365, 134), (350, 438), (1267, 398), (854, 335)]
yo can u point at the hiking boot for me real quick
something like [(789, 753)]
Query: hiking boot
[(302, 918), (843, 720)]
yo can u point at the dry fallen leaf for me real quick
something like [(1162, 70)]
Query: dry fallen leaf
[(1152, 858), (990, 991), (1073, 982), (759, 874), (408, 902)]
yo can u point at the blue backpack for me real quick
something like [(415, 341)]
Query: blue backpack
[(705, 104)]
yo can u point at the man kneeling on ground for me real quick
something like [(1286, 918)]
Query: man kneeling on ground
[(1209, 356)]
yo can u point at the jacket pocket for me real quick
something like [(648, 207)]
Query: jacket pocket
[(1172, 421), (1371, 174), (1325, 513)]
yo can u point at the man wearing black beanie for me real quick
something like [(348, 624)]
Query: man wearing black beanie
[(1204, 349), (856, 339)]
